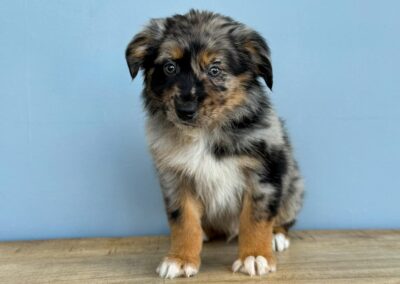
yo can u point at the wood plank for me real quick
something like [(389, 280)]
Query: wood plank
[(314, 257)]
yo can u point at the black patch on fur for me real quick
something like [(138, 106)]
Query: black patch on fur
[(187, 79), (237, 62), (196, 47), (236, 148), (253, 84), (275, 167), (273, 205), (275, 164), (220, 150), (250, 121), (174, 215), (253, 120), (251, 148), (200, 92), (288, 225)]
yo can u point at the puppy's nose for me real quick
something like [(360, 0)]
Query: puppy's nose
[(186, 110)]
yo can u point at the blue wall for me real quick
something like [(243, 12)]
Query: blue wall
[(73, 156)]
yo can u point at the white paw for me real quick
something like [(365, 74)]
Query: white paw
[(253, 266), (280, 242), (170, 268)]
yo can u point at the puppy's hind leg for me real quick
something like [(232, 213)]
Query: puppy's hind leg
[(281, 241)]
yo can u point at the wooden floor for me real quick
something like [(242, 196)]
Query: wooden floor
[(314, 257)]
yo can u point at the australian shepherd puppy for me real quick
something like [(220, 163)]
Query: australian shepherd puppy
[(222, 154)]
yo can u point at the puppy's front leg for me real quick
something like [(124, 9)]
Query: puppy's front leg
[(255, 242), (183, 258)]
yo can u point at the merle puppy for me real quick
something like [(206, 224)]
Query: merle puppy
[(223, 157)]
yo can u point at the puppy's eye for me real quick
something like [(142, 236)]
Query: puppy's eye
[(170, 68), (214, 71)]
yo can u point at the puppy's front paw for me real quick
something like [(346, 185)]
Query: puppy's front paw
[(252, 265), (280, 242), (175, 267)]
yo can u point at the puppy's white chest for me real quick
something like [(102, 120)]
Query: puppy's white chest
[(219, 183)]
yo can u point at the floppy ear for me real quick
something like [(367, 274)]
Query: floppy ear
[(260, 55), (142, 44)]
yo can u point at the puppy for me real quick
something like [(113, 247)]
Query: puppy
[(223, 157)]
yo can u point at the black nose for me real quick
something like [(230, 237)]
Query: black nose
[(186, 110)]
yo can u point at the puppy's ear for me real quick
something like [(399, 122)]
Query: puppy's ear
[(142, 44), (260, 55)]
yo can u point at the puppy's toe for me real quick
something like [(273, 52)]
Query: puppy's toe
[(280, 242), (190, 270), (172, 268), (252, 265)]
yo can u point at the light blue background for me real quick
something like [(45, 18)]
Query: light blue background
[(73, 155)]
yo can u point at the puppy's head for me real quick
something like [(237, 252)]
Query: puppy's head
[(198, 67)]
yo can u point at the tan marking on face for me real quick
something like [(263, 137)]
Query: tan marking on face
[(186, 231), (176, 52), (169, 50), (206, 57), (255, 236), (235, 98), (234, 94), (218, 104)]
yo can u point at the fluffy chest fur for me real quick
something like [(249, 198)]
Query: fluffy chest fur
[(218, 183)]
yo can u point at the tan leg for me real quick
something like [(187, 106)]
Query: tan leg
[(255, 243), (183, 258)]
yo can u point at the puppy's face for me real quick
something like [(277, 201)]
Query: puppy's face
[(198, 67)]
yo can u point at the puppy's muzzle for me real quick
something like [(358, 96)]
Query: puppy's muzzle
[(185, 109)]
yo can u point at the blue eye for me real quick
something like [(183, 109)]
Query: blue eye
[(214, 71), (170, 68)]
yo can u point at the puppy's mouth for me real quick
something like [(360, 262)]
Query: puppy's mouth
[(187, 120)]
